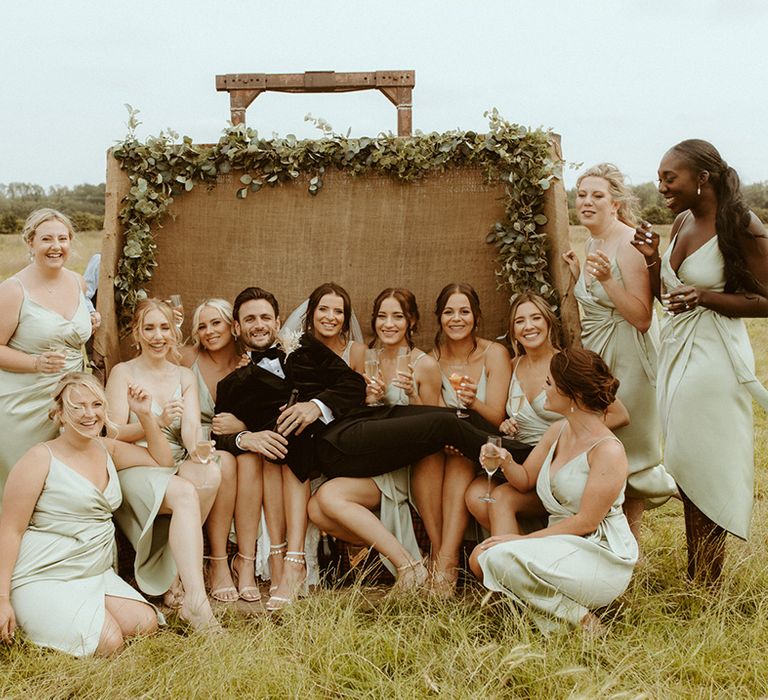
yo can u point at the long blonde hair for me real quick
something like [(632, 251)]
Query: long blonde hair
[(63, 406), (142, 309), (546, 311), (617, 188)]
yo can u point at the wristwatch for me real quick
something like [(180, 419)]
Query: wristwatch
[(237, 440)]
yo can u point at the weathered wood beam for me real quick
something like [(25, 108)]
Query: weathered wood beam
[(397, 87)]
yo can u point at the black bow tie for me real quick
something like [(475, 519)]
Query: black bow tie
[(272, 353)]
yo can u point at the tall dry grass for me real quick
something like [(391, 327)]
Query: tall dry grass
[(666, 638)]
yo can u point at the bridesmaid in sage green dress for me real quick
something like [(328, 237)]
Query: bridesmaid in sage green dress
[(714, 273), (211, 357), (618, 323), (584, 558), (44, 322), (440, 481), (163, 509), (56, 532), (344, 507), (534, 332)]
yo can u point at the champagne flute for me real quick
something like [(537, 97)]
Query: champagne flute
[(402, 364), (458, 373), (204, 446), (516, 402), (666, 301), (372, 367), (403, 361), (177, 305), (491, 462)]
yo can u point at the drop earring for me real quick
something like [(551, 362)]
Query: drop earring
[(572, 409), (698, 190)]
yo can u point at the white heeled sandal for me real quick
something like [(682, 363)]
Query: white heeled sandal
[(300, 589)]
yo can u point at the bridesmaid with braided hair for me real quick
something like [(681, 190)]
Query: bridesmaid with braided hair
[(713, 274)]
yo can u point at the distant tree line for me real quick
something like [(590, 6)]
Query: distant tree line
[(651, 207), (84, 204)]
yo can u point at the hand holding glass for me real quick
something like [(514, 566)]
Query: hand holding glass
[(204, 446), (490, 459), (177, 306), (372, 367), (457, 376)]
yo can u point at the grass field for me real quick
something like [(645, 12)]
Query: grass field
[(666, 638)]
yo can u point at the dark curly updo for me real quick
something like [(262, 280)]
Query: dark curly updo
[(583, 376)]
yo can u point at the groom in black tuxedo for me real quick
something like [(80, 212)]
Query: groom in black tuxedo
[(258, 393)]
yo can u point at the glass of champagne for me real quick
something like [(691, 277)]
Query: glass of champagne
[(402, 365), (204, 446), (178, 306), (666, 301), (372, 367), (403, 361), (491, 461), (458, 373), (516, 402)]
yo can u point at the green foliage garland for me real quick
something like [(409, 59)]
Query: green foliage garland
[(163, 167)]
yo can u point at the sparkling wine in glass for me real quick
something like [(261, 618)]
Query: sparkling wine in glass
[(403, 361), (457, 376), (516, 402), (178, 306), (666, 301), (372, 366), (491, 461), (204, 446)]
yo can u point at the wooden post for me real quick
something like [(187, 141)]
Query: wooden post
[(557, 229), (106, 342), (397, 87)]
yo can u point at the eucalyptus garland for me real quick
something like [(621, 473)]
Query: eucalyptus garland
[(164, 167)]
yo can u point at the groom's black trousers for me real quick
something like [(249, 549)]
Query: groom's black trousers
[(389, 438)]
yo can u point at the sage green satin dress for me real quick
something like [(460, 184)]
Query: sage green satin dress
[(705, 390), (207, 404), (631, 357), (560, 578), (395, 487), (533, 420), (64, 567), (25, 397), (139, 517)]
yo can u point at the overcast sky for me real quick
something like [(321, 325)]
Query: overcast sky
[(621, 80)]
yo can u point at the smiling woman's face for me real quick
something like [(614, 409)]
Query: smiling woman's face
[(677, 183), (328, 317), (213, 330), (51, 243), (391, 323)]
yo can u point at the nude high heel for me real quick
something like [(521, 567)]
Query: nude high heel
[(250, 594)]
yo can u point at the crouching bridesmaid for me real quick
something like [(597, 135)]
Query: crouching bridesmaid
[(56, 531)]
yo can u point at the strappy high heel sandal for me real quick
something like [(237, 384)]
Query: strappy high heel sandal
[(277, 602), (411, 577), (250, 594), (275, 550), (225, 594)]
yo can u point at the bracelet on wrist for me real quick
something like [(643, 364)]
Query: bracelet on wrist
[(653, 263), (36, 365)]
